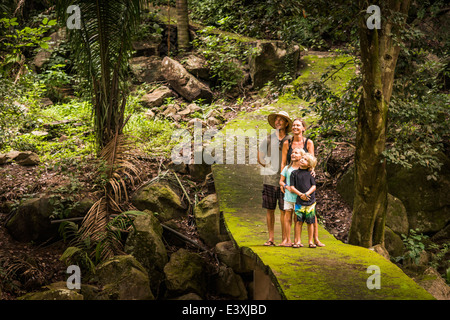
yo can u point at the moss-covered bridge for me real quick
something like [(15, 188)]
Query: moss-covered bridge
[(336, 271)]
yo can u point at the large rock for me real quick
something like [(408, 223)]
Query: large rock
[(54, 291), (393, 243), (161, 199), (208, 221), (23, 158), (148, 46), (123, 278), (426, 202), (43, 55), (273, 58), (146, 69), (197, 66), (145, 244), (156, 97), (183, 82), (230, 284), (185, 273), (31, 222)]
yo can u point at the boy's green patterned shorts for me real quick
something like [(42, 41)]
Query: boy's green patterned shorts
[(306, 213)]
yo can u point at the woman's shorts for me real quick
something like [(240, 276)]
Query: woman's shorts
[(270, 196), (306, 213), (289, 205)]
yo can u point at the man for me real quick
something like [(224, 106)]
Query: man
[(269, 156)]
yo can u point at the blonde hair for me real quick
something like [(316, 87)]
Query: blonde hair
[(302, 153), (312, 161)]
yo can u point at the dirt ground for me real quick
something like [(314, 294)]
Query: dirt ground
[(26, 266)]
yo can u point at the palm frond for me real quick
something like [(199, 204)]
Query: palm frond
[(102, 47)]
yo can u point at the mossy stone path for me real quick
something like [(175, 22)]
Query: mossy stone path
[(336, 271)]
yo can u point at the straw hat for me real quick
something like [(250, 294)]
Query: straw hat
[(271, 118)]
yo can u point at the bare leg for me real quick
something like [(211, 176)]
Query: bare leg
[(310, 235), (287, 228), (270, 217), (316, 234), (297, 233)]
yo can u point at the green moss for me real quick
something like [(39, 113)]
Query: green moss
[(337, 271)]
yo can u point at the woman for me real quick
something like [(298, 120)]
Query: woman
[(299, 141)]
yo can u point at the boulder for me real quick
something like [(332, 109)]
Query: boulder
[(274, 57), (197, 66), (185, 273), (425, 202), (156, 97), (381, 251), (432, 281), (23, 158), (54, 291), (3, 158), (147, 47), (161, 199), (145, 244), (146, 69), (396, 216), (393, 243), (27, 158), (183, 82), (123, 278), (31, 221), (208, 221), (43, 55), (230, 284), (228, 254)]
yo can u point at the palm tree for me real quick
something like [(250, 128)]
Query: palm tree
[(102, 48), (182, 24)]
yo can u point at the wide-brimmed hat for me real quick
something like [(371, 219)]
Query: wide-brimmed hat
[(271, 119)]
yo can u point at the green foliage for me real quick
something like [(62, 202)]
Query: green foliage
[(103, 47), (14, 40), (308, 22), (54, 79), (86, 252), (225, 56), (414, 244)]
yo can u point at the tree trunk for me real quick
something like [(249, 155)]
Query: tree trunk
[(379, 56), (182, 24)]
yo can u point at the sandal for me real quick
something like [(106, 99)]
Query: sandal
[(320, 244), (297, 245), (285, 245), (312, 245), (269, 243)]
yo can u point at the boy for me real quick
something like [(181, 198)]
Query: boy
[(303, 184)]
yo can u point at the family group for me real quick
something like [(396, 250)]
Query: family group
[(289, 182)]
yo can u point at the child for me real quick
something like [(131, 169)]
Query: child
[(302, 183), (289, 197)]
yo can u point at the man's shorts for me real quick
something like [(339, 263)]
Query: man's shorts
[(306, 213), (270, 196)]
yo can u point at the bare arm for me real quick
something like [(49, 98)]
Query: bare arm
[(284, 151)]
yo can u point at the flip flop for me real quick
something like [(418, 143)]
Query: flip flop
[(320, 244), (297, 245), (269, 243), (285, 245), (312, 245)]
